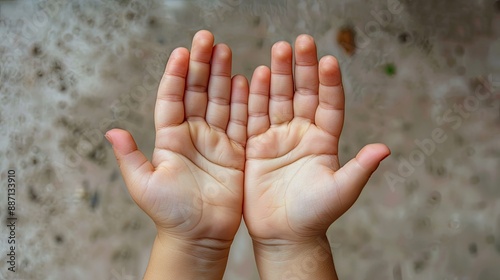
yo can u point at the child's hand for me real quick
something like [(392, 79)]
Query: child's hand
[(294, 186), (193, 188)]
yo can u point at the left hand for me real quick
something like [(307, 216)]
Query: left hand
[(193, 188)]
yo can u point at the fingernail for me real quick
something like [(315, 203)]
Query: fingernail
[(110, 140)]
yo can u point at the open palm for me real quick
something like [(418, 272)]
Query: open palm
[(294, 186), (193, 188)]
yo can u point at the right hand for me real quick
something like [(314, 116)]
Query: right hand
[(294, 186)]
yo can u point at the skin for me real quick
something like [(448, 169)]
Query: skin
[(294, 186), (267, 152), (193, 187)]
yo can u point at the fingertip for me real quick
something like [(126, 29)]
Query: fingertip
[(305, 37), (262, 70), (329, 71), (224, 50), (261, 74), (329, 63), (371, 155), (240, 81), (121, 140), (109, 137), (204, 35), (304, 43), (281, 44), (282, 51), (240, 89), (179, 52), (177, 63)]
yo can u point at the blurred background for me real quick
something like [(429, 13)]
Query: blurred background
[(422, 77)]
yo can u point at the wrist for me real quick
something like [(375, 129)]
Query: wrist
[(203, 249), (284, 259), (174, 258), (282, 250)]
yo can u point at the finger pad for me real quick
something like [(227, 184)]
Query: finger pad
[(371, 155), (122, 141)]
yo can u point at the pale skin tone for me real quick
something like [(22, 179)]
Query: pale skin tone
[(267, 152), (294, 189)]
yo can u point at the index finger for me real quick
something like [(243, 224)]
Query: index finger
[(169, 109)]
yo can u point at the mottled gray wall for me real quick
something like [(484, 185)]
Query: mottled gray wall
[(70, 70)]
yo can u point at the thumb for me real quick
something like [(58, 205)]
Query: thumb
[(354, 175), (134, 166)]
